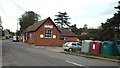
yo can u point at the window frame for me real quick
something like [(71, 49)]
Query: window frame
[(48, 34)]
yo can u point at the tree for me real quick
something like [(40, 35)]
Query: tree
[(3, 33), (12, 34), (85, 33), (89, 33), (0, 22), (62, 19), (94, 33), (117, 22), (27, 19), (1, 29), (74, 29), (111, 28), (85, 26)]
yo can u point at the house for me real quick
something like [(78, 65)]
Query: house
[(46, 33), (68, 35), (7, 33)]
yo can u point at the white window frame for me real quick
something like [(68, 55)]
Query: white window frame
[(47, 34)]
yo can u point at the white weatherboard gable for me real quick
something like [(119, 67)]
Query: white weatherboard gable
[(48, 26)]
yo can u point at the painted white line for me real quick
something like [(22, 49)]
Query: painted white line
[(74, 63)]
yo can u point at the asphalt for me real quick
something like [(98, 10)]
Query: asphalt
[(21, 54), (18, 54)]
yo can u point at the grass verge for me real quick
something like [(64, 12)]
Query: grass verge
[(96, 55)]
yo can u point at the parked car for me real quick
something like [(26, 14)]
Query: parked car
[(72, 46), (15, 38), (6, 37), (3, 38)]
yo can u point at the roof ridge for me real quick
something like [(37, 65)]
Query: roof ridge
[(43, 20)]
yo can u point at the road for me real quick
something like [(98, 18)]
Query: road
[(20, 54)]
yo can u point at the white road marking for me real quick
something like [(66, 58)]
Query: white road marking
[(74, 63)]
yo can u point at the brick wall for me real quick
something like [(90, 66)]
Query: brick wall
[(37, 40)]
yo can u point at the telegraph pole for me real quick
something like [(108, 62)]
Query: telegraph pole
[(17, 29), (17, 33)]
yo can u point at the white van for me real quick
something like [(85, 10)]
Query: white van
[(15, 38)]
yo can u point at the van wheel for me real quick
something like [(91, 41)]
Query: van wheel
[(70, 49)]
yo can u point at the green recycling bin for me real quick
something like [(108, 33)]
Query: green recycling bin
[(118, 47), (109, 48)]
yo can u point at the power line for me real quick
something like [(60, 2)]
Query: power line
[(17, 5), (4, 12)]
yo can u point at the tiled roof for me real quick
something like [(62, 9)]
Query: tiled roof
[(35, 26), (67, 32)]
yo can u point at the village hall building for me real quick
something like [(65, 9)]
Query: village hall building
[(46, 33)]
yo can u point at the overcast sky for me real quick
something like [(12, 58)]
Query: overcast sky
[(90, 12)]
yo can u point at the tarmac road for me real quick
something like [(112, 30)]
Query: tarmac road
[(20, 54)]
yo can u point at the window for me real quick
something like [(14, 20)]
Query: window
[(48, 33), (67, 43), (73, 43), (79, 44), (63, 38), (30, 35)]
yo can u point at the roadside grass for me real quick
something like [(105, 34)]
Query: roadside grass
[(96, 55)]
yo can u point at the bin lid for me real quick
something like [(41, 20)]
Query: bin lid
[(98, 41), (87, 40)]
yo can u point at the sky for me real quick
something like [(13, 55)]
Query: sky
[(90, 12)]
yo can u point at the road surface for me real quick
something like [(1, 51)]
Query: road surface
[(20, 54)]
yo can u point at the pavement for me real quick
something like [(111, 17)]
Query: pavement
[(51, 48), (61, 50)]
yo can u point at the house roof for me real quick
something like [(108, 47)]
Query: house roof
[(36, 25), (67, 33)]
